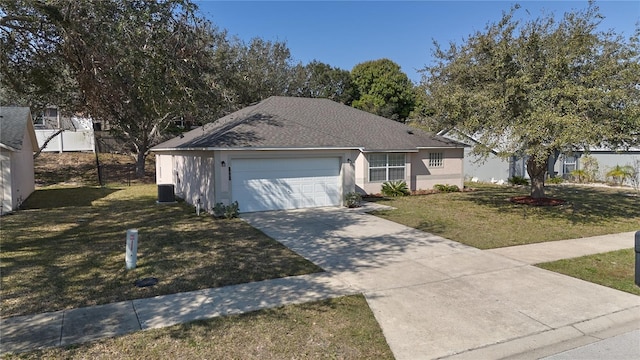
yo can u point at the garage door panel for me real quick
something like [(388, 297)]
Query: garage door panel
[(271, 184)]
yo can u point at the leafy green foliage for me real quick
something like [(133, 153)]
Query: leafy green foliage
[(395, 188), (579, 175), (231, 211), (383, 89), (352, 199), (518, 180), (619, 174), (540, 87), (555, 180), (320, 80), (446, 188), (591, 167), (137, 65)]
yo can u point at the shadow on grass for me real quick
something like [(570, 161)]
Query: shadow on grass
[(75, 255), (64, 197), (584, 204)]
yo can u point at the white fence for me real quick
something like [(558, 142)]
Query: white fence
[(81, 140)]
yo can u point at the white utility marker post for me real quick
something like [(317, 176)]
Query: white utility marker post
[(131, 253)]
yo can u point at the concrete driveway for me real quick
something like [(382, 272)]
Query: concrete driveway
[(437, 298)]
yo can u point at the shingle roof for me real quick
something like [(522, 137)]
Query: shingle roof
[(294, 122), (13, 123)]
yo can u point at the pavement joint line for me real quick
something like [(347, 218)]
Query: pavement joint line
[(582, 332), (61, 328), (135, 311), (549, 327)]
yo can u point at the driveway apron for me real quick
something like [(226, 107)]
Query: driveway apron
[(434, 297)]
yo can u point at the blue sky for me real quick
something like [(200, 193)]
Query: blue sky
[(345, 33)]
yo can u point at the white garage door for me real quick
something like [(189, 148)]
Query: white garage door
[(276, 184)]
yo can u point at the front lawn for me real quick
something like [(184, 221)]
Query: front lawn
[(66, 249), (614, 269), (485, 218)]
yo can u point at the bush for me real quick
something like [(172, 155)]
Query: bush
[(446, 188), (555, 180), (352, 200), (590, 167), (518, 180), (221, 210), (580, 176), (395, 188), (619, 174)]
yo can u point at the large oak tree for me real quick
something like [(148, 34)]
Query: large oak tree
[(539, 87), (136, 64)]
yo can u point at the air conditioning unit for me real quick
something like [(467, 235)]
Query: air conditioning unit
[(166, 193)]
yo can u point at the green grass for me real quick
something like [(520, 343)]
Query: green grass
[(613, 269), (486, 219), (66, 250), (342, 328)]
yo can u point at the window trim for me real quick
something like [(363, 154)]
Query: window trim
[(387, 167), (436, 162)]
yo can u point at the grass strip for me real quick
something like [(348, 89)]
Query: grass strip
[(613, 269), (342, 328)]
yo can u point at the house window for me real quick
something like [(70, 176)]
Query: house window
[(51, 112), (38, 121), (570, 164), (435, 160), (385, 167)]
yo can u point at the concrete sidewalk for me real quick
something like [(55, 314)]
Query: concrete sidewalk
[(433, 298), (567, 249), (30, 332)]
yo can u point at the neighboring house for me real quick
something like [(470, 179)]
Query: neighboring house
[(287, 153), (77, 134), (17, 145), (494, 168), (606, 159)]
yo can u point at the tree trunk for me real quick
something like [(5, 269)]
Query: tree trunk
[(46, 142), (537, 170), (140, 160)]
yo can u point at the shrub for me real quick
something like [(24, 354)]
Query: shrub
[(352, 200), (446, 188), (221, 210), (555, 180), (590, 167), (619, 174), (580, 175), (395, 188), (518, 180)]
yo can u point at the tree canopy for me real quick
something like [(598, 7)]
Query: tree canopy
[(320, 80), (383, 89), (539, 87), (136, 64)]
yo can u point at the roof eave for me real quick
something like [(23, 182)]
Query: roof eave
[(254, 148)]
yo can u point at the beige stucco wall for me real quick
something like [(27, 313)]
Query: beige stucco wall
[(201, 174), (192, 174), (424, 177), (418, 175)]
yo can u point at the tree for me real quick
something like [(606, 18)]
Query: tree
[(540, 87), (383, 89), (251, 72), (320, 80), (135, 64)]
